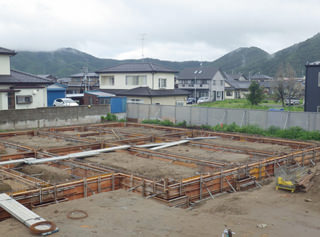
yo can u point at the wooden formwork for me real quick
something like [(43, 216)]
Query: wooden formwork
[(219, 179)]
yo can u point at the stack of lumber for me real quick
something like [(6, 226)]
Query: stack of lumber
[(305, 182)]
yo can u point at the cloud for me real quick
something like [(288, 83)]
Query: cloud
[(175, 30)]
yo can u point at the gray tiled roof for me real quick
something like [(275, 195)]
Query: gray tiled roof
[(238, 84), (136, 67), (198, 72), (260, 77), (99, 93), (7, 51), (17, 77), (147, 92)]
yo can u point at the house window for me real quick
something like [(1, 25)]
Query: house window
[(218, 93), (229, 93), (107, 80), (135, 101), (221, 82), (162, 83), (214, 83), (318, 108), (139, 80), (24, 99), (179, 103)]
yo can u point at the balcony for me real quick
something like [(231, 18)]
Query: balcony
[(192, 86)]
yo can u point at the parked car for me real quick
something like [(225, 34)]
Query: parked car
[(203, 100), (64, 102), (191, 100), (292, 101)]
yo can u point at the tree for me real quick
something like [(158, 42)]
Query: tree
[(285, 85), (255, 95)]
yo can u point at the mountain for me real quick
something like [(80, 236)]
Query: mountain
[(67, 61)]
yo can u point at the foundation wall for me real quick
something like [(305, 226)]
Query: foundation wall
[(51, 116)]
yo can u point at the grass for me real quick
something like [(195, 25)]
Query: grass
[(244, 104), (290, 133)]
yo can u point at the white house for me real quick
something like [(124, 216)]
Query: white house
[(236, 86), (20, 90), (145, 83), (202, 82)]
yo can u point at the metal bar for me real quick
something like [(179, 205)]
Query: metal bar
[(230, 185)]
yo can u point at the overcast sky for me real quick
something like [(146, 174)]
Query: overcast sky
[(173, 29)]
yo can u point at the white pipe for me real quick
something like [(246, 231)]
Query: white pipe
[(77, 155), (169, 144), (151, 145), (8, 162), (31, 161), (201, 138)]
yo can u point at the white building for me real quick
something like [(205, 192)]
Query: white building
[(144, 83), (20, 90)]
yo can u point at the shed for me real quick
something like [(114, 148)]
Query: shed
[(117, 103), (55, 91)]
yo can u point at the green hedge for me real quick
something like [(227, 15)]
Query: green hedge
[(273, 131)]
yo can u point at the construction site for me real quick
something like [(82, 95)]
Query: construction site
[(132, 179)]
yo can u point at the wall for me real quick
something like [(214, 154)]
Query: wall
[(51, 116), (152, 80), (4, 65), (312, 89), (39, 98), (213, 116)]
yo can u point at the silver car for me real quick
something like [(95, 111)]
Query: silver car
[(203, 100), (64, 102)]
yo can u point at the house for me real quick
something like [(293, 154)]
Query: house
[(146, 83), (202, 82), (55, 91), (236, 86), (49, 77), (312, 87), (145, 95), (20, 90), (260, 78), (81, 82), (132, 75)]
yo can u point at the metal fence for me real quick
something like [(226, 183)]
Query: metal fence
[(212, 116)]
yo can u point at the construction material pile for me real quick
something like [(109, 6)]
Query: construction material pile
[(294, 178)]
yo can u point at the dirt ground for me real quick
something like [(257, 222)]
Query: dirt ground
[(248, 145), (40, 142), (121, 213), (150, 168), (202, 154), (10, 185), (48, 173)]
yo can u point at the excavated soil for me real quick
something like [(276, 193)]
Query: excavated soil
[(248, 145), (38, 142), (11, 185), (150, 168), (48, 173), (208, 155)]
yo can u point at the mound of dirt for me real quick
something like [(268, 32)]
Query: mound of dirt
[(48, 173)]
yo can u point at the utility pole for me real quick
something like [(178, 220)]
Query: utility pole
[(84, 79), (143, 35)]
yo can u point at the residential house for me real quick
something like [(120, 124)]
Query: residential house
[(202, 82), (236, 86), (49, 77), (81, 82), (312, 87), (146, 83), (260, 78), (20, 90)]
